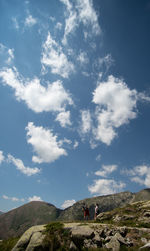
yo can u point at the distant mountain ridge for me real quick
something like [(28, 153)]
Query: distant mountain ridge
[(17, 221), (1, 212)]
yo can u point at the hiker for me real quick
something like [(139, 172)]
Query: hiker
[(86, 212), (96, 211)]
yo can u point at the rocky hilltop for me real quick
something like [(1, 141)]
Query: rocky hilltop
[(126, 228), (16, 222)]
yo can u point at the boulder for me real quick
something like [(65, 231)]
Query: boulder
[(33, 235)]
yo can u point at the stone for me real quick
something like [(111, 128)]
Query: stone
[(146, 246), (82, 232), (72, 246), (35, 241), (23, 242), (120, 238), (113, 244)]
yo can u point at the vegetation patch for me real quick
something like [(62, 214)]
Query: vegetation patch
[(7, 245), (57, 238)]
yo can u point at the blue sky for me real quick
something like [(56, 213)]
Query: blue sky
[(74, 99)]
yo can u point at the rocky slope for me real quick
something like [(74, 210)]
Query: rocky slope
[(17, 221)]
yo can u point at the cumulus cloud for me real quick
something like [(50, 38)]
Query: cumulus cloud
[(64, 118), (30, 21), (44, 144), (141, 175), (116, 105), (54, 58), (37, 97), (67, 203), (5, 197), (105, 187), (106, 170), (86, 121), (1, 157), (34, 198)]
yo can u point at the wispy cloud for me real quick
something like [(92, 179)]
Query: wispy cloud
[(37, 97), (6, 54), (86, 121), (2, 158), (67, 203), (106, 170), (82, 12), (44, 143), (20, 166), (30, 21), (54, 58), (14, 199)]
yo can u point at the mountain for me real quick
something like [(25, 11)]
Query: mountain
[(1, 212), (16, 221), (106, 203)]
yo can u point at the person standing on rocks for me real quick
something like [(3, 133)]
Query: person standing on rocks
[(86, 212), (96, 211)]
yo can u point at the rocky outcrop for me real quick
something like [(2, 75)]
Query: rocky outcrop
[(88, 235), (31, 239)]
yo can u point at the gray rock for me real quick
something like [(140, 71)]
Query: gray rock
[(23, 242), (82, 232), (113, 244), (72, 246), (146, 246), (35, 241)]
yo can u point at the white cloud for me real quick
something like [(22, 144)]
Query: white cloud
[(58, 26), (116, 105), (83, 58), (106, 170), (67, 203), (34, 198), (37, 97), (98, 158), (86, 121), (5, 197), (15, 22), (105, 187), (6, 54), (53, 57), (1, 157), (20, 166), (104, 63), (64, 118), (82, 12), (30, 21), (88, 16), (141, 175), (76, 143), (44, 143)]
